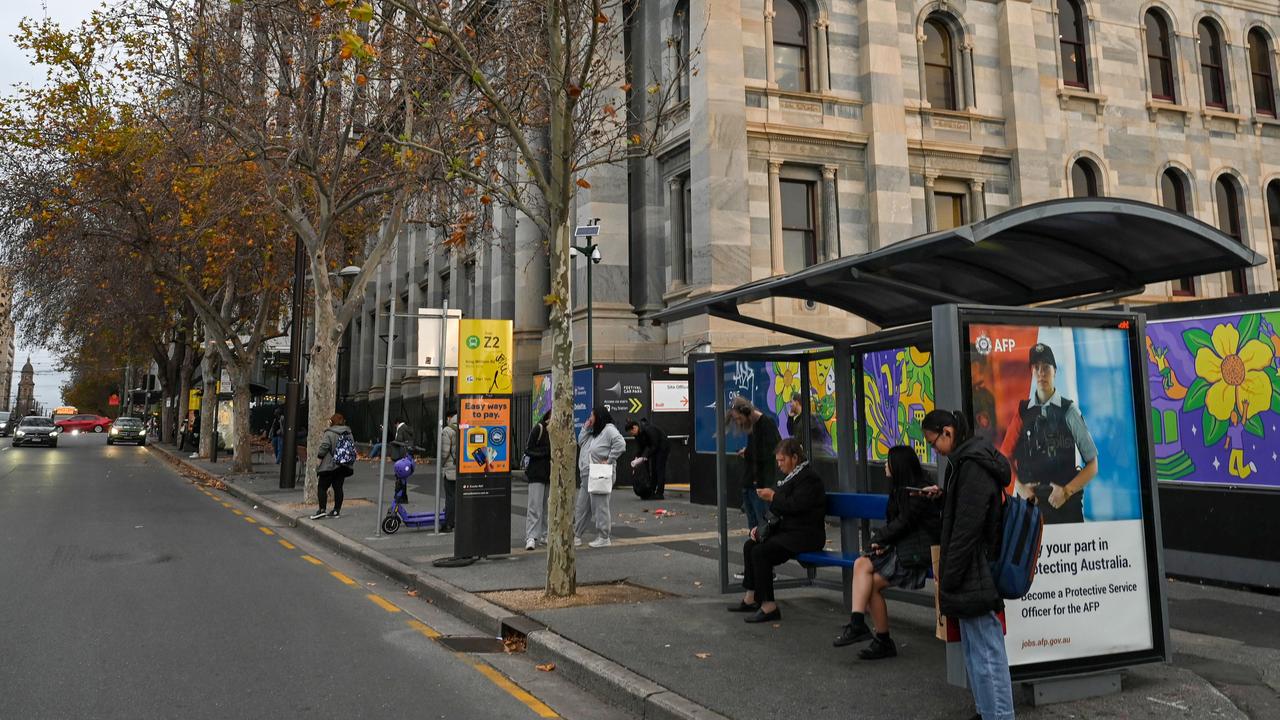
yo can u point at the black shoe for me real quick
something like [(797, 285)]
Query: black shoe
[(762, 616), (745, 607), (850, 635), (879, 649), (319, 515)]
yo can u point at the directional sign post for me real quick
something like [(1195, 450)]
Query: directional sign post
[(591, 253)]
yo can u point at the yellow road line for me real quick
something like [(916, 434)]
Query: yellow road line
[(226, 504), (311, 560), (382, 603), (288, 545), (424, 628), (237, 511), (266, 531), (513, 689), (343, 578), (249, 519)]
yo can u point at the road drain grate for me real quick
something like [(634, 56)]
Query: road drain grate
[(473, 644)]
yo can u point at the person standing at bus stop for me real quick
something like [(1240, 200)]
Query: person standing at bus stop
[(972, 493), (759, 468), (652, 449)]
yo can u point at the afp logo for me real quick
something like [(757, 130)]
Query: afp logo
[(985, 345)]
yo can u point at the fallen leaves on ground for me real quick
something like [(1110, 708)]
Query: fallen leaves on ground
[(547, 667), (702, 655), (412, 593)]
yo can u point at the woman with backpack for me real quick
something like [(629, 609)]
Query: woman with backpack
[(337, 453), (973, 494), (538, 474), (900, 555)]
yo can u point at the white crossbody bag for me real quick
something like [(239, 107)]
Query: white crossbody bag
[(600, 478)]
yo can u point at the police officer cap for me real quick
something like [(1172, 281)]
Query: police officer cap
[(1041, 353)]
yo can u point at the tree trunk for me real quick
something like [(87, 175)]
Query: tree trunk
[(561, 570), (166, 412), (208, 403), (184, 386), (241, 438), (322, 382)]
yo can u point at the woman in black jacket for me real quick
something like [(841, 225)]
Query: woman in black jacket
[(538, 475), (797, 513), (973, 494), (900, 554)]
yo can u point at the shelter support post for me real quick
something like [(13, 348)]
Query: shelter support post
[(1079, 687), (846, 457), (948, 395), (722, 502)]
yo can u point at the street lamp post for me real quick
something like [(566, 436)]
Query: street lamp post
[(589, 250)]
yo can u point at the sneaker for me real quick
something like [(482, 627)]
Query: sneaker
[(577, 541), (319, 515), (529, 544), (600, 542), (879, 649), (334, 514)]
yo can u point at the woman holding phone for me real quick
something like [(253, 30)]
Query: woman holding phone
[(599, 443), (900, 555)]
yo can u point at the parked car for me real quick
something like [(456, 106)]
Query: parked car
[(85, 423), (127, 430), (35, 430), (5, 430)]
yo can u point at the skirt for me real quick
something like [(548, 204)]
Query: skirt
[(887, 566)]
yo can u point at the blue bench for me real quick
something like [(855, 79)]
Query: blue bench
[(846, 506)]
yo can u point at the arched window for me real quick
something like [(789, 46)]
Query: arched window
[(1159, 57), (1071, 41), (1084, 179), (939, 65), (790, 46), (1264, 88), (680, 40), (1227, 199), (1273, 217), (1173, 195), (1212, 74)]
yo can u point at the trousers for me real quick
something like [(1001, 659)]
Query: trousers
[(760, 558), (535, 518), (591, 510), (331, 479), (987, 666)]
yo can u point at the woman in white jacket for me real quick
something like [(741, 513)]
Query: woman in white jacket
[(598, 442)]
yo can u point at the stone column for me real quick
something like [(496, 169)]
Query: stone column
[(769, 70), (977, 201), (888, 174), (676, 247), (830, 215), (777, 258), (966, 67), (1023, 102), (824, 72), (930, 212)]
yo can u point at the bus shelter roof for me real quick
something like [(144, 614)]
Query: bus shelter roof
[(1089, 249)]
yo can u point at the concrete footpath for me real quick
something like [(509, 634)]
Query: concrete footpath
[(681, 655)]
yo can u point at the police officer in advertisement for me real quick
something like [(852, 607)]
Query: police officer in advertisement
[(1043, 442)]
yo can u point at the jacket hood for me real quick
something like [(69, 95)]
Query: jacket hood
[(986, 456), (340, 429)]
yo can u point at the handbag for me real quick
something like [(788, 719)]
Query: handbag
[(600, 478)]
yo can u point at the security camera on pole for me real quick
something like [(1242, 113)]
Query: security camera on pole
[(588, 250)]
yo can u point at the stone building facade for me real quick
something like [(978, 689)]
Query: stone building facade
[(813, 129), (26, 400)]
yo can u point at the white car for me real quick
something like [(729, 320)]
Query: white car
[(35, 430)]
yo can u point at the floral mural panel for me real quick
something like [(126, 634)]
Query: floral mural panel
[(898, 383)]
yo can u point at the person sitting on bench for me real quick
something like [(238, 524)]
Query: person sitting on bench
[(900, 554), (796, 523)]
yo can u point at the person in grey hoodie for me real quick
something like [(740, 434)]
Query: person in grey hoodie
[(331, 473), (598, 442), (449, 466)]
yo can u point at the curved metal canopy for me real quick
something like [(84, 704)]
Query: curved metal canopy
[(1033, 254)]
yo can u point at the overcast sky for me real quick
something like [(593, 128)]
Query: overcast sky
[(14, 68)]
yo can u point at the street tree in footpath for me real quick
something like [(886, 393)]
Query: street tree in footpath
[(540, 93)]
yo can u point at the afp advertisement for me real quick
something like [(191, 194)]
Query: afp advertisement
[(1058, 402)]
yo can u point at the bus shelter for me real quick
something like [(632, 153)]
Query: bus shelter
[(961, 309)]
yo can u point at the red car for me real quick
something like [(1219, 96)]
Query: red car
[(85, 423)]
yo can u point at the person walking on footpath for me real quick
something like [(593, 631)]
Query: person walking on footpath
[(337, 453), (538, 475), (901, 554), (449, 466), (402, 442), (276, 433), (652, 449), (796, 523), (972, 496), (599, 444)]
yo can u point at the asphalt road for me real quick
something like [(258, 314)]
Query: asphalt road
[(128, 592)]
